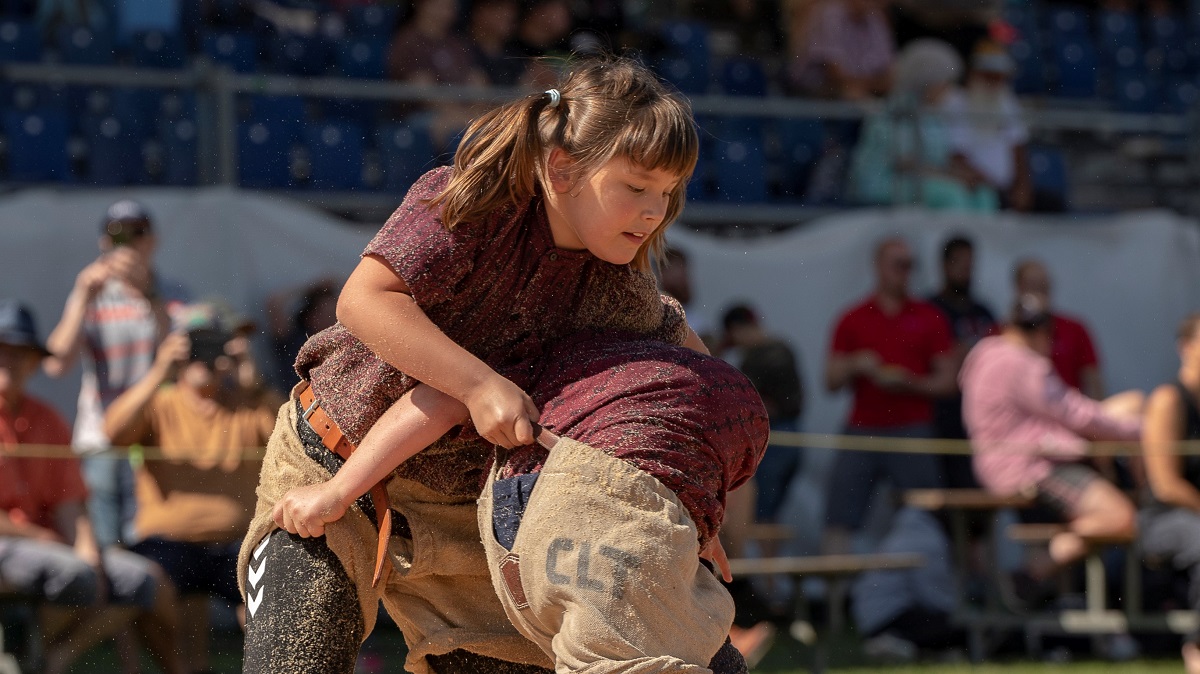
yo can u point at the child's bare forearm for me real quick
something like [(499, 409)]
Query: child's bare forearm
[(411, 424)]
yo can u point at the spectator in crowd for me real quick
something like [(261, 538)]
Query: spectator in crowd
[(1073, 353), (428, 50), (116, 315), (48, 551), (492, 25), (1170, 524), (771, 365), (1029, 434), (970, 321), (292, 323), (896, 355), (675, 279), (753, 27), (543, 31), (905, 156), (202, 405), (987, 135), (845, 52)]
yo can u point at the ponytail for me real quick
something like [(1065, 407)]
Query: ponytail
[(606, 107), (497, 163)]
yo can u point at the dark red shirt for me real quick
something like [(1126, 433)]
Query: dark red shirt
[(692, 421), (1072, 350), (498, 288), (32, 488), (911, 340)]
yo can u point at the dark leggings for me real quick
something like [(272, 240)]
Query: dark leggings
[(306, 617)]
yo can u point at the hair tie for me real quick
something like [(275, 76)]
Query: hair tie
[(555, 97)]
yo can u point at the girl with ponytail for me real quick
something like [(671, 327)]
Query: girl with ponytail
[(545, 226)]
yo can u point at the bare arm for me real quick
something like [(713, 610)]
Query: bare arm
[(941, 381), (66, 338), (124, 421), (694, 343), (841, 369), (411, 424), (378, 308), (1162, 430)]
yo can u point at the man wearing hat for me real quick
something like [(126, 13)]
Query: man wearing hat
[(116, 314), (47, 549), (202, 407), (988, 135)]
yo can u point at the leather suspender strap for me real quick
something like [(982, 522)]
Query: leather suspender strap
[(336, 442)]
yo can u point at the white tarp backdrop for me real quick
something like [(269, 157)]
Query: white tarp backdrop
[(1130, 277)]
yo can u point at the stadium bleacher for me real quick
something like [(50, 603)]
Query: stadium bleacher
[(1107, 60)]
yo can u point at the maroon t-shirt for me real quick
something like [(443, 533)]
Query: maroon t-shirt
[(692, 421), (500, 289)]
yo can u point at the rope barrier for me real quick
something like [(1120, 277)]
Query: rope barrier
[(859, 443)]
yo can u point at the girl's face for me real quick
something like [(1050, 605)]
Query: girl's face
[(611, 212)]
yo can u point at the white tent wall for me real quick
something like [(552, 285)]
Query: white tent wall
[(238, 246)]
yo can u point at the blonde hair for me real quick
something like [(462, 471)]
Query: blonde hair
[(607, 107)]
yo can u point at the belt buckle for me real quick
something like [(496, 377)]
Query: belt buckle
[(310, 410)]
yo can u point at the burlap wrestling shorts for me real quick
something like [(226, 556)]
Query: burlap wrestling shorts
[(603, 572)]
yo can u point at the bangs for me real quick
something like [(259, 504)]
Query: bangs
[(661, 137)]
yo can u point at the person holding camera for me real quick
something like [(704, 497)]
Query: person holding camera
[(202, 407), (115, 316)]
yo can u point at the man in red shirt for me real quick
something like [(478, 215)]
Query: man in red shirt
[(895, 354), (1072, 352), (48, 551)]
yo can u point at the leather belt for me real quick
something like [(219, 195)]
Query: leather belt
[(336, 442)]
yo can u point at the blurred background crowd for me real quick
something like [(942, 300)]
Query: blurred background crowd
[(806, 107)]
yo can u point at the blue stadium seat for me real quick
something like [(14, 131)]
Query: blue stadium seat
[(1024, 19), (1075, 62), (85, 46), (235, 49), (1180, 94), (138, 16), (1030, 77), (740, 162), (156, 49), (744, 76), (407, 152), (37, 145), (1048, 171), (299, 55), (20, 42), (1118, 39), (1067, 22), (801, 142), (136, 109), (264, 156), (114, 152), (335, 152), (1170, 45), (180, 157), (686, 61), (21, 9), (1134, 91), (285, 114), (361, 57), (374, 20)]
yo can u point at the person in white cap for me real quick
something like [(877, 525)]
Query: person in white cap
[(988, 136)]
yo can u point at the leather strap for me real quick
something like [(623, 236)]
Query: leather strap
[(336, 442)]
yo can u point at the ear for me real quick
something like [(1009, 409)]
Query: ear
[(561, 171), (105, 244)]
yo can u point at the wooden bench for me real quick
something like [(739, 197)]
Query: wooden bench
[(837, 569)]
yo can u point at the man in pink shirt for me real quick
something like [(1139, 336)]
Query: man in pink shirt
[(1030, 431)]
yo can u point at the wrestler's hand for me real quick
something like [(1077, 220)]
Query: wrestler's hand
[(306, 510), (502, 413), (715, 553)]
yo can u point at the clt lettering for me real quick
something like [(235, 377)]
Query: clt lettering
[(617, 564)]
